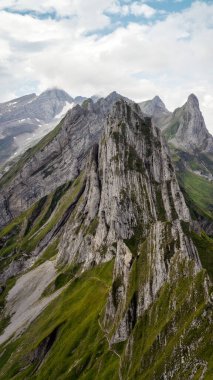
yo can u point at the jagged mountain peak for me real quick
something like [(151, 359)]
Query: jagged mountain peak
[(157, 102), (89, 118), (95, 97), (186, 128), (56, 93), (114, 96), (154, 108), (193, 99)]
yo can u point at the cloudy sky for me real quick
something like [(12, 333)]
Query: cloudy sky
[(138, 48)]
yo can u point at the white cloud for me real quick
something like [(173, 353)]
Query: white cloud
[(145, 10), (172, 57), (88, 14), (136, 8)]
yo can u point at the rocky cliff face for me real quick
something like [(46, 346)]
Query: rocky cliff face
[(133, 200), (147, 318), (186, 128), (55, 160), (191, 147), (132, 180)]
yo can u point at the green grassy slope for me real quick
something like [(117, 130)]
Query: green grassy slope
[(168, 329), (199, 190), (25, 232), (204, 246), (80, 350), (78, 346)]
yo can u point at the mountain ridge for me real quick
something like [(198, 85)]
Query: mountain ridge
[(127, 295), (191, 134), (191, 147), (25, 120), (41, 163)]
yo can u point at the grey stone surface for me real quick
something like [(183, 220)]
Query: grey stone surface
[(24, 120), (59, 161), (184, 128)]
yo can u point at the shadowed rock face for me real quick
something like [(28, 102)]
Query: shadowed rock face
[(57, 159)]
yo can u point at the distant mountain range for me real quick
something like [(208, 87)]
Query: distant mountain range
[(24, 120), (184, 128)]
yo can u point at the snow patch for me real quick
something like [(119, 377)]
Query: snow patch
[(32, 100), (66, 108)]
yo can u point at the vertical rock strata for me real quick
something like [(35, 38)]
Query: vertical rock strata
[(129, 209), (133, 210)]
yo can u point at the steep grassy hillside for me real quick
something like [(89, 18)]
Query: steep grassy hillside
[(77, 347), (26, 232), (194, 176), (199, 190), (68, 340)]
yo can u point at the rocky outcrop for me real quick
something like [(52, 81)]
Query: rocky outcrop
[(55, 160), (191, 147), (132, 209), (156, 109), (131, 179), (186, 129)]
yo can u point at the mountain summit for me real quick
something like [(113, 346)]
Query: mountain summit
[(191, 147), (154, 108), (25, 120), (193, 100), (186, 128)]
